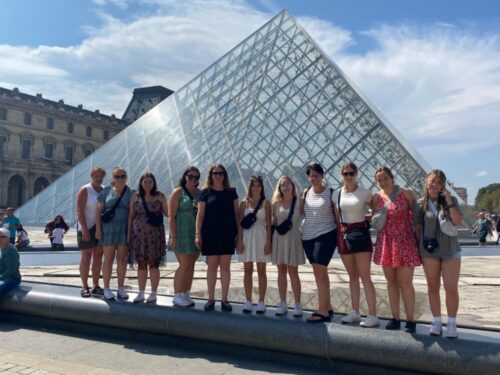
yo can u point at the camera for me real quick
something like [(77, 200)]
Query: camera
[(430, 244), (442, 200)]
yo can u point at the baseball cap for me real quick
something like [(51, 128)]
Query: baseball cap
[(4, 232)]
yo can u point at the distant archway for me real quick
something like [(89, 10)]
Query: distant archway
[(40, 184), (16, 192)]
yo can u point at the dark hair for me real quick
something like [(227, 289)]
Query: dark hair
[(154, 190), (60, 224), (210, 180), (315, 167), (253, 180), (384, 169), (182, 180), (349, 164)]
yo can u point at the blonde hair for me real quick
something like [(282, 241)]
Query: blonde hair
[(277, 194), (434, 173)]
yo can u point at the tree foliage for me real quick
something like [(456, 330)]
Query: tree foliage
[(488, 198)]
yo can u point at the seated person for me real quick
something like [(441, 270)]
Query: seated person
[(10, 277), (22, 237)]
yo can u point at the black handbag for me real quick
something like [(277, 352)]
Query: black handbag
[(356, 239), (250, 218), (155, 220), (286, 224), (107, 216)]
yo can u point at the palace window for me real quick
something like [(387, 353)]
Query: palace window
[(27, 119), (50, 123), (26, 150)]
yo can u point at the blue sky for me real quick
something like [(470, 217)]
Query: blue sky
[(432, 67)]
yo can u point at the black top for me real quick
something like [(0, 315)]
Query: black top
[(218, 231)]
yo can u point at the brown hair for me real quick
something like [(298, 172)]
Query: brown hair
[(97, 169), (253, 180), (182, 181), (434, 173), (210, 180), (383, 169)]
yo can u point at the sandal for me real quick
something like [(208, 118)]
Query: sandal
[(85, 292), (321, 318)]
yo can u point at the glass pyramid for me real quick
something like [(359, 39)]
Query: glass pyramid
[(270, 106)]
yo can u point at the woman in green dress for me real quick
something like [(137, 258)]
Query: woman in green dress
[(182, 214)]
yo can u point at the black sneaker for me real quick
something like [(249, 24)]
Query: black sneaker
[(209, 306), (411, 327), (226, 306), (393, 324)]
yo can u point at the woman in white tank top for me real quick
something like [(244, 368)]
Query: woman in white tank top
[(87, 243)]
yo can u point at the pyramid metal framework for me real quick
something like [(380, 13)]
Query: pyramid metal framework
[(268, 107)]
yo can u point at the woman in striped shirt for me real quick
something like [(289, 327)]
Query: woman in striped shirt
[(319, 237)]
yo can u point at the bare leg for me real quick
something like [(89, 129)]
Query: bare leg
[(96, 265), (261, 270), (293, 271), (432, 269), (393, 291), (213, 265), (282, 282), (225, 274), (85, 256), (248, 279), (154, 274), (107, 267), (405, 282), (350, 266), (363, 265), (451, 274), (121, 264)]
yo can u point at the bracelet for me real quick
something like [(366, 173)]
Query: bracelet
[(450, 205)]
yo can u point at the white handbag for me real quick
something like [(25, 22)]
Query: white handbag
[(445, 224)]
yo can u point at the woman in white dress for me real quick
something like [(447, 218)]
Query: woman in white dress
[(287, 253), (255, 241)]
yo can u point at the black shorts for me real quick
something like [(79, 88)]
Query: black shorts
[(86, 245), (320, 250)]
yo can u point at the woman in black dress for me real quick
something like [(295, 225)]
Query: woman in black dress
[(217, 231)]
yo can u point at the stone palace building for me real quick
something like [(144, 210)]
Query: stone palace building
[(41, 139)]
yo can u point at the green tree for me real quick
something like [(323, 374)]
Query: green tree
[(488, 198)]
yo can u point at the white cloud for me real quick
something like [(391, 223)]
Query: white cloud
[(481, 174), (438, 84)]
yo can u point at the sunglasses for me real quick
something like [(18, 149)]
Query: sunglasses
[(217, 173), (350, 174), (120, 176), (286, 185), (4, 236), (193, 177)]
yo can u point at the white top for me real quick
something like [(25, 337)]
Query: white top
[(353, 204), (90, 207), (318, 212), (22, 235), (57, 236)]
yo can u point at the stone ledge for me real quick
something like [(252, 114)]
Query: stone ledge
[(473, 353)]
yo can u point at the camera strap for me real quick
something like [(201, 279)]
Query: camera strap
[(431, 205)]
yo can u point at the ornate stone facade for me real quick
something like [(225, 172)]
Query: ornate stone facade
[(41, 139)]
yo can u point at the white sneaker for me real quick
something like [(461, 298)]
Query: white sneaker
[(436, 329), (298, 311), (139, 298), (261, 308), (451, 331), (151, 298), (122, 294), (370, 321), (180, 300), (352, 317), (108, 294), (247, 307), (281, 308), (187, 295)]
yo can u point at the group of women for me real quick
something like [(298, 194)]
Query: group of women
[(284, 230)]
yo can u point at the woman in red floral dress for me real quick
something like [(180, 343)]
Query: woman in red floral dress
[(396, 247)]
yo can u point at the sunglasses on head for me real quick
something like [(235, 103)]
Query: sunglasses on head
[(351, 174), (217, 173), (120, 176), (193, 177)]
